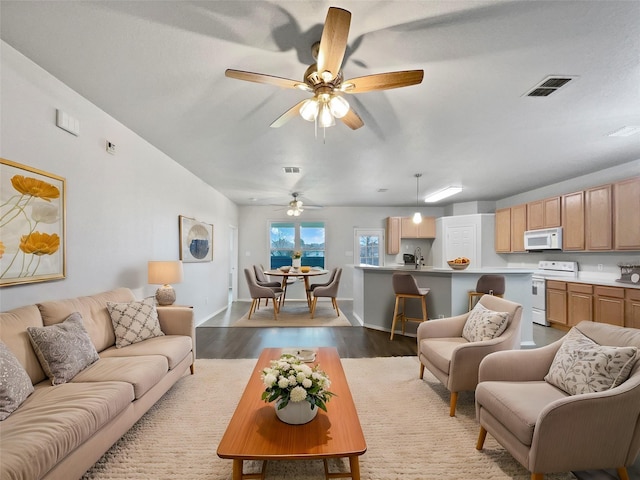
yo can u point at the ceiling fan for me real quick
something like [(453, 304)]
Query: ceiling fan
[(295, 207), (325, 80)]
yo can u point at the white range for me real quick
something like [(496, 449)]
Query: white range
[(547, 269)]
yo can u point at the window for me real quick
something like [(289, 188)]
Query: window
[(368, 247), (287, 237)]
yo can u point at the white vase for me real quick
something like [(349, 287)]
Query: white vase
[(296, 262), (296, 413)]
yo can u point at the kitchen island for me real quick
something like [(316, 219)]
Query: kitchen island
[(374, 299)]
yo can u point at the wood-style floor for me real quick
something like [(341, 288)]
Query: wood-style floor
[(217, 339)]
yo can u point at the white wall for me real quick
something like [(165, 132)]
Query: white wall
[(121, 210)]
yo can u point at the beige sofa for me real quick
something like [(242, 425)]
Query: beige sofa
[(60, 431)]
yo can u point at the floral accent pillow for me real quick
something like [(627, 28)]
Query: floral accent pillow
[(63, 349), (583, 366), (15, 384), (134, 322), (484, 324)]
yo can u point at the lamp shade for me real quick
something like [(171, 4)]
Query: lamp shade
[(164, 273)]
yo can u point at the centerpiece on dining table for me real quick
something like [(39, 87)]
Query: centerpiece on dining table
[(298, 389), (296, 259)]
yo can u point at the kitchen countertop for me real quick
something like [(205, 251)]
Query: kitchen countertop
[(426, 269), (595, 279)]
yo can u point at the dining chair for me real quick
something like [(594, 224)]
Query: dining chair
[(263, 281), (258, 292), (313, 286), (330, 291)]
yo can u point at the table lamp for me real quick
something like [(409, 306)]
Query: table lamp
[(164, 273)]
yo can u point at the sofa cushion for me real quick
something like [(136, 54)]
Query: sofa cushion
[(582, 366), (94, 313), (517, 405), (484, 324), (134, 322), (13, 332), (63, 349), (54, 421), (173, 347), (15, 384), (141, 372)]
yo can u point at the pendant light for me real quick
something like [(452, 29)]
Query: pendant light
[(417, 217)]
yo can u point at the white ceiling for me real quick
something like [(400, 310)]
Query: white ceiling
[(158, 67)]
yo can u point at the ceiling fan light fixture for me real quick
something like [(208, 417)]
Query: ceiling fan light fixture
[(309, 110), (338, 106), (325, 118), (326, 76), (441, 194)]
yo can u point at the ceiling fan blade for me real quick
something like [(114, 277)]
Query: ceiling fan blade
[(352, 120), (333, 42), (266, 79), (288, 115), (383, 81)]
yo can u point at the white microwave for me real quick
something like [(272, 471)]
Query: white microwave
[(543, 239)]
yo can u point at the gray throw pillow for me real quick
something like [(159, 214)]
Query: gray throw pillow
[(583, 366), (484, 324), (63, 349), (15, 384), (134, 322)]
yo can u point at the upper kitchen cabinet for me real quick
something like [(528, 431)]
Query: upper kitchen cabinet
[(598, 218), (573, 221), (511, 224), (424, 229), (543, 213), (393, 235), (626, 214)]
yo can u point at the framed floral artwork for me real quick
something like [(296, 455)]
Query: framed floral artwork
[(196, 240), (32, 225)]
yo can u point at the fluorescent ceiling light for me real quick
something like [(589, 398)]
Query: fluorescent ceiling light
[(444, 193), (625, 131)]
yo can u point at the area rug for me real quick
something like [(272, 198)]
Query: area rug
[(294, 314), (405, 421)]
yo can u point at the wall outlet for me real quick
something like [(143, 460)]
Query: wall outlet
[(111, 148)]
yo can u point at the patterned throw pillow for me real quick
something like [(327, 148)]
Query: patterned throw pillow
[(15, 384), (484, 324), (64, 349), (583, 366), (134, 322)]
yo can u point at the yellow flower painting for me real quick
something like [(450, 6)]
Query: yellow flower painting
[(32, 224)]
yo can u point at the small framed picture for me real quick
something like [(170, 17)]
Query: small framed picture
[(196, 240)]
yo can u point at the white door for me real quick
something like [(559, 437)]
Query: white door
[(369, 247), (461, 242)]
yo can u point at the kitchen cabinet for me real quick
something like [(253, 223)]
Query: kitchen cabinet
[(544, 213), (609, 305), (511, 224), (579, 303), (632, 308), (556, 302), (626, 214), (393, 235), (424, 229), (598, 218), (573, 221)]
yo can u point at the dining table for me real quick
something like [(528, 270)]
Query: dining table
[(296, 273)]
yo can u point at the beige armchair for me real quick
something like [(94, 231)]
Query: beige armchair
[(453, 359), (548, 430)]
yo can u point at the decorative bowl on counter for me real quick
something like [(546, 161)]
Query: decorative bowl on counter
[(459, 263)]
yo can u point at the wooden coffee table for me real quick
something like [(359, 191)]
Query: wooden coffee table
[(255, 433)]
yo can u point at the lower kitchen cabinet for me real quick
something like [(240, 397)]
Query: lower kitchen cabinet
[(609, 305), (579, 303), (556, 302), (632, 308)]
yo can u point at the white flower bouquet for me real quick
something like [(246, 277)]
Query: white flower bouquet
[(288, 379)]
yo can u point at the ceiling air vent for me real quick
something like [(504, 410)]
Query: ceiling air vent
[(548, 86), (291, 169)]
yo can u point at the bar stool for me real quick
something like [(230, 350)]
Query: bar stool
[(487, 285), (405, 286)]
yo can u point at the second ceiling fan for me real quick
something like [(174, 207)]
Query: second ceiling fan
[(324, 79)]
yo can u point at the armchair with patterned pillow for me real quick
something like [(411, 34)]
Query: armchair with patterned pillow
[(452, 348)]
